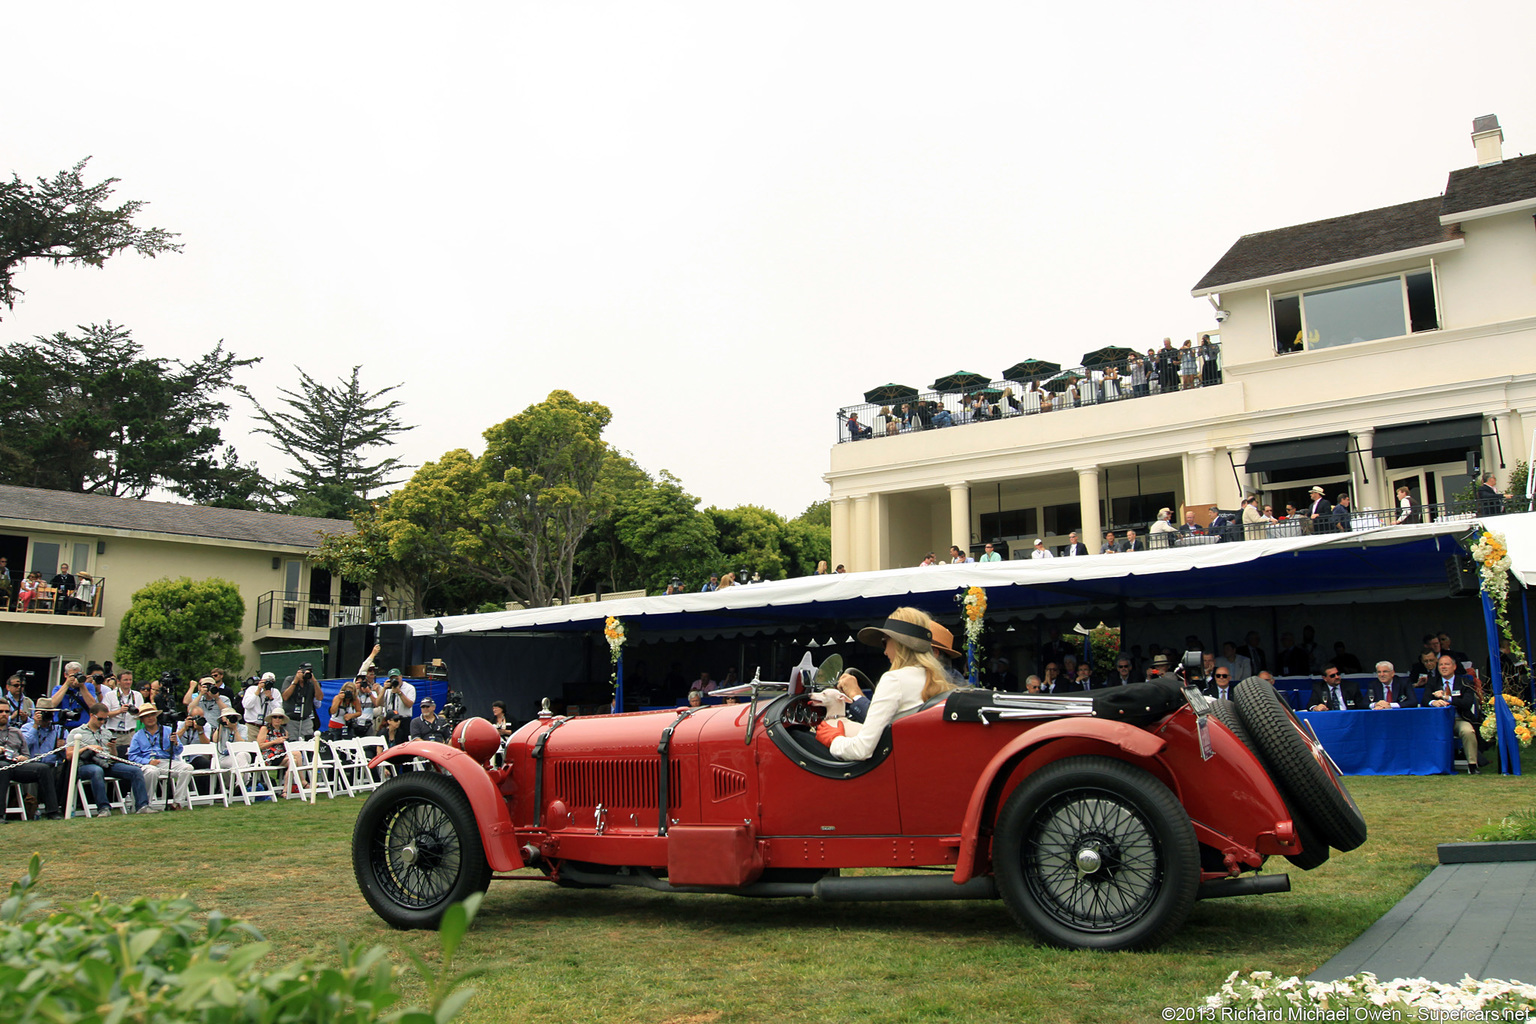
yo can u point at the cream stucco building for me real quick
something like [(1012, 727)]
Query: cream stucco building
[(124, 543), (1361, 353)]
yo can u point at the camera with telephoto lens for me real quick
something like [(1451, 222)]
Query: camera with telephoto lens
[(452, 710)]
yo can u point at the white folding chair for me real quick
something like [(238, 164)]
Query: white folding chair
[(218, 777), (372, 747), (259, 780), (306, 775), (116, 801), (352, 766), (15, 800)]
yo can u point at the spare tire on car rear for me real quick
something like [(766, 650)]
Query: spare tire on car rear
[(1299, 765), (1314, 851)]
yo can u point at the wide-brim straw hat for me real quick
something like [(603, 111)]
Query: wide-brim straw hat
[(148, 708), (279, 713), (907, 634)]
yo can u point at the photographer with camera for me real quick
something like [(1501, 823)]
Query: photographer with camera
[(301, 699), (346, 710), (154, 749), (13, 750), (74, 696), (122, 703), (88, 747), (17, 700), (258, 701), (206, 696)]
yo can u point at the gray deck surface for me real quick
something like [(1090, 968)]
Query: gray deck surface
[(1464, 919)]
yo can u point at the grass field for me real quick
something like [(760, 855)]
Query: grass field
[(626, 955)]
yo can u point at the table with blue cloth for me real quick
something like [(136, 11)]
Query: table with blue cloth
[(1397, 741)]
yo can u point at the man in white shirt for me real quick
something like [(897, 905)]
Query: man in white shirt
[(122, 712), (1240, 667), (259, 701), (1040, 550)]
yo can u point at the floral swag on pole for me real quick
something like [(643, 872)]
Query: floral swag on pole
[(613, 632), (974, 602), (1491, 552)]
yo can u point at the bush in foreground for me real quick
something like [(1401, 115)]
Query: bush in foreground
[(153, 962)]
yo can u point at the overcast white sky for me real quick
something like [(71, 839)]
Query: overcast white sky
[(722, 220)]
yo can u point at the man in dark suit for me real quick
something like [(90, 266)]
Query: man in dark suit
[(1449, 689), (1489, 501), (1132, 542), (1293, 659), (1074, 546), (1335, 693), (1221, 685), (65, 585), (1320, 512), (1388, 692), (1254, 653)]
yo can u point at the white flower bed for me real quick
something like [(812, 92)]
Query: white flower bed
[(1262, 996)]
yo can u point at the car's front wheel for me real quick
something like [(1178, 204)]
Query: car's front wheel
[(416, 849), (1094, 853)]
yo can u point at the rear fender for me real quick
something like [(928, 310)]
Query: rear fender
[(481, 787), (1123, 738)]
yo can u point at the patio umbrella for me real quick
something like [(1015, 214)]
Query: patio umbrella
[(1061, 383), (1106, 355), (1029, 369), (890, 393), (961, 380)]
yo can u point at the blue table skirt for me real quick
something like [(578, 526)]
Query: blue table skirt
[(1401, 741)]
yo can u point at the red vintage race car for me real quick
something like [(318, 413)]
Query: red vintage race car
[(1098, 820)]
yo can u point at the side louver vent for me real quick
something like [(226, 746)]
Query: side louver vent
[(726, 783), (614, 783)]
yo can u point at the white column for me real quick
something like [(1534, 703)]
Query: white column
[(863, 534), (1088, 495), (1367, 495), (1202, 477), (842, 539), (959, 517)]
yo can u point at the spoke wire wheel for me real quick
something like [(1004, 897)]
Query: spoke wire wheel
[(1300, 766), (1094, 853), (416, 849), (1314, 850)]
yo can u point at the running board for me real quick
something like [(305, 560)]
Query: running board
[(832, 889), (1252, 886)]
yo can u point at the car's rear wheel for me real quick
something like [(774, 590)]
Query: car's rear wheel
[(1314, 850), (1299, 765), (1094, 853), (416, 849)]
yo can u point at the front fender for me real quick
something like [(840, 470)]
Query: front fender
[(1132, 739), (482, 791)]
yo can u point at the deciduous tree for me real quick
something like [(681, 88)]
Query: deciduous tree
[(183, 626)]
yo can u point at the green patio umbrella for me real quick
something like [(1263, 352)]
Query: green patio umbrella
[(961, 380), (1030, 369), (1062, 382), (1109, 354), (890, 393)]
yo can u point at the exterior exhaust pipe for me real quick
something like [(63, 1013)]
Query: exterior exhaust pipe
[(1252, 886)]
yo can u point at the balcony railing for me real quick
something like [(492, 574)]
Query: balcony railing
[(295, 611), (1075, 387), (86, 602)]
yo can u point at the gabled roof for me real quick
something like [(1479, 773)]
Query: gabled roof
[(1322, 243), (107, 513), (1481, 188)]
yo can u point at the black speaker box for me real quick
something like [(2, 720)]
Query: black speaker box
[(349, 646), (1461, 574), (394, 639)]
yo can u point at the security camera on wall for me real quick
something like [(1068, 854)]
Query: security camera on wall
[(1221, 316)]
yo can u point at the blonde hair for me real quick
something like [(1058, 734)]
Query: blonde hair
[(904, 656)]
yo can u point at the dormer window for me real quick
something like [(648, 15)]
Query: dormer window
[(1384, 307)]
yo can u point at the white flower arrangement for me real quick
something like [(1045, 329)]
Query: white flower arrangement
[(1399, 999), (1491, 552)]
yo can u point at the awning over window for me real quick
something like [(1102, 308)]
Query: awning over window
[(1463, 433), (1301, 453)]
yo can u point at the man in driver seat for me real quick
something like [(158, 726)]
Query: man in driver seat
[(912, 643)]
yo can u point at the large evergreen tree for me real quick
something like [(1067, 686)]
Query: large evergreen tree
[(90, 412), (328, 431), (66, 221)]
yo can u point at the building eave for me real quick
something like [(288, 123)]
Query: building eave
[(1363, 263), (1518, 206)]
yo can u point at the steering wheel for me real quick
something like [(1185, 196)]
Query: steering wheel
[(800, 713)]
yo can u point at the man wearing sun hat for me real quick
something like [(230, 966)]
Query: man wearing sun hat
[(1320, 512), (154, 749)]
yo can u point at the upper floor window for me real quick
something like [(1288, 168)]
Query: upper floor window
[(1387, 307)]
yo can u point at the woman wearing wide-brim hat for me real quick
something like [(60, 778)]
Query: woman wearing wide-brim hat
[(913, 643), (272, 738)]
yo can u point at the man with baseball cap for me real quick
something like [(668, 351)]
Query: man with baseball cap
[(13, 749), (258, 701), (154, 749), (428, 726)]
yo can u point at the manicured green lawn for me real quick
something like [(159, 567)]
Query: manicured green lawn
[(626, 955)]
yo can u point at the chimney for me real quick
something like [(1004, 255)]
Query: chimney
[(1487, 138)]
